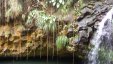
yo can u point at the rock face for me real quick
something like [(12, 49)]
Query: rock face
[(18, 39), (91, 15)]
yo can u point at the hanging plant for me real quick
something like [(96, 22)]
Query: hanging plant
[(42, 20), (61, 42)]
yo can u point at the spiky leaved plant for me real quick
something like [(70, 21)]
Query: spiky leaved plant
[(42, 20), (61, 42)]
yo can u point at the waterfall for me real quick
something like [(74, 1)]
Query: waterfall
[(102, 42)]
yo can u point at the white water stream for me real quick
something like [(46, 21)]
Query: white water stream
[(104, 30)]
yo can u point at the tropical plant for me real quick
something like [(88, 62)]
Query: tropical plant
[(42, 20), (61, 42)]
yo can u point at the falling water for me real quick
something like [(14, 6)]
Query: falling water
[(102, 41)]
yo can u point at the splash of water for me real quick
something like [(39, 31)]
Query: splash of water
[(102, 35)]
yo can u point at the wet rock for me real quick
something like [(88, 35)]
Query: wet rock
[(91, 21), (86, 11), (90, 34), (87, 21), (109, 1), (96, 26), (82, 25), (90, 31), (82, 28), (90, 18), (97, 4), (83, 37)]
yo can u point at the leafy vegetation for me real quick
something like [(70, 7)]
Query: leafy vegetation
[(65, 8), (56, 3), (78, 7), (42, 20), (61, 42)]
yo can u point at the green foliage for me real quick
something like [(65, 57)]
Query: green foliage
[(61, 42), (42, 20), (56, 3), (65, 8), (79, 6)]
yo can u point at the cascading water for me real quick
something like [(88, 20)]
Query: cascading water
[(102, 50)]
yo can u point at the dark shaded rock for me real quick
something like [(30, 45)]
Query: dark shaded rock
[(90, 31), (82, 28), (83, 36), (91, 21), (87, 21), (86, 11), (71, 33), (90, 34)]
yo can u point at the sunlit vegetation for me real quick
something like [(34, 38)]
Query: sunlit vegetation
[(61, 42), (42, 20), (56, 3), (32, 25), (78, 7)]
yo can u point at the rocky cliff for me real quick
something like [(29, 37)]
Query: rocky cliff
[(29, 27)]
